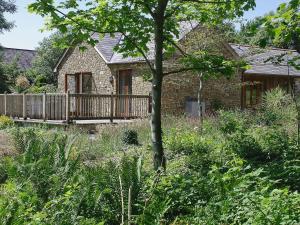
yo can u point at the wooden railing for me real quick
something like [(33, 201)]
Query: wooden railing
[(68, 107)]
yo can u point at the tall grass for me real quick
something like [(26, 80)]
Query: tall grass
[(240, 168)]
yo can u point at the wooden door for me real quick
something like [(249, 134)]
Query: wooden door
[(124, 89)]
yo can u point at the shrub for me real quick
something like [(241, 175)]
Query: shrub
[(231, 121), (22, 83), (242, 196), (260, 143), (130, 137), (5, 122), (277, 108), (171, 195)]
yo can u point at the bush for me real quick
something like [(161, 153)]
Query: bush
[(243, 196), (278, 108), (231, 121), (5, 122), (130, 137), (22, 83), (260, 144)]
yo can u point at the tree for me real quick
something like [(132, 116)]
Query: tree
[(12, 70), (284, 25), (47, 56), (6, 7), (255, 32), (142, 23), (3, 79)]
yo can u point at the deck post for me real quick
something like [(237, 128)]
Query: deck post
[(150, 104), (44, 106), (5, 103), (112, 107), (68, 107), (24, 107)]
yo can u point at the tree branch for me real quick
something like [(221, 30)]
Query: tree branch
[(207, 2), (84, 26), (147, 6), (141, 51), (109, 32), (176, 46), (179, 71)]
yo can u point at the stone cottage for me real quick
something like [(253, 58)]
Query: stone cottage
[(101, 70)]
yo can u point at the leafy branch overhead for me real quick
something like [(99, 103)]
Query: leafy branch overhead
[(212, 65), (135, 19), (284, 25)]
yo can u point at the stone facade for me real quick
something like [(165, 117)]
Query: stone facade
[(77, 61), (176, 88), (221, 92), (90, 61)]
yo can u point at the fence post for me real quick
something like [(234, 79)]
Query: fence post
[(150, 103), (68, 106), (112, 107), (44, 106), (5, 103), (24, 107)]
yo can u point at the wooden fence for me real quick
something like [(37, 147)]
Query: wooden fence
[(68, 107)]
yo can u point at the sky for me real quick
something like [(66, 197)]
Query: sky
[(26, 34)]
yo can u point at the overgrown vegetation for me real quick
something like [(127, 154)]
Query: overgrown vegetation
[(241, 168), (5, 122)]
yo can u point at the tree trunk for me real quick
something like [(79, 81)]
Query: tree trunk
[(159, 159)]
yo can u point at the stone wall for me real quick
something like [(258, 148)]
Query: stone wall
[(77, 61), (221, 92), (89, 60)]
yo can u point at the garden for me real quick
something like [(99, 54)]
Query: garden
[(240, 167)]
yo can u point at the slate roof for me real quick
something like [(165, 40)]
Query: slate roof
[(24, 56), (267, 61), (105, 45)]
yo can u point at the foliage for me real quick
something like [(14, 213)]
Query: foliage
[(284, 24), (253, 32), (22, 84), (5, 122), (130, 137), (142, 24), (6, 7), (3, 79), (239, 170), (278, 108), (48, 88), (12, 71), (43, 64)]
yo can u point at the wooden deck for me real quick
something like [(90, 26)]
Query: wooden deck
[(69, 108)]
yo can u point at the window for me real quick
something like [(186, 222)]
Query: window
[(87, 83)]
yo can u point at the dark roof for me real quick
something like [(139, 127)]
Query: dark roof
[(269, 61), (106, 44), (24, 56)]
